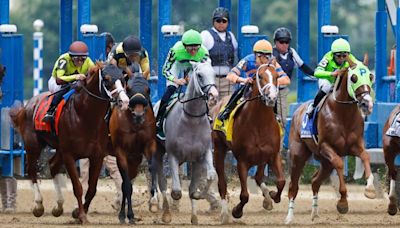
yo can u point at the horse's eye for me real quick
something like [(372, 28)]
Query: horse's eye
[(372, 77), (354, 78)]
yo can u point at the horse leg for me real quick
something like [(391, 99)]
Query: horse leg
[(32, 155), (194, 192), (323, 172), (299, 154), (176, 192), (390, 155), (243, 168), (276, 167), (55, 165), (267, 203), (219, 158), (370, 188), (69, 162), (153, 168), (127, 197), (328, 153), (94, 173)]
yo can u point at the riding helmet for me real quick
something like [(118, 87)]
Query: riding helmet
[(78, 48), (221, 12), (131, 45), (263, 46), (282, 33), (340, 45), (191, 37)]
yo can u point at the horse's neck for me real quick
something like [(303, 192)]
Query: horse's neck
[(341, 93), (87, 102), (192, 91)]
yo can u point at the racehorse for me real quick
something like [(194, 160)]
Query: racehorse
[(82, 134), (255, 141), (391, 148), (133, 134), (340, 126), (188, 139)]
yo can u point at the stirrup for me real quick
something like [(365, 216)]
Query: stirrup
[(48, 117)]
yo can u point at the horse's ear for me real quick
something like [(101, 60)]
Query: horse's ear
[(366, 59), (351, 63)]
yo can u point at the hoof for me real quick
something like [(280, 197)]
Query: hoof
[(342, 207), (166, 217), (9, 210), (121, 221), (236, 213), (392, 209), (38, 210), (274, 195), (224, 219), (194, 220), (196, 195), (75, 213), (153, 208), (267, 204), (370, 193), (176, 195), (57, 212)]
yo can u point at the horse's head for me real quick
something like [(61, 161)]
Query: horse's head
[(203, 81), (109, 82), (359, 86), (139, 92), (266, 83)]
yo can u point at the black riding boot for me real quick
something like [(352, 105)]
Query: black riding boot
[(321, 94), (163, 104), (54, 103), (231, 103)]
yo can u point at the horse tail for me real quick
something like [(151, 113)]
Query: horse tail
[(17, 114)]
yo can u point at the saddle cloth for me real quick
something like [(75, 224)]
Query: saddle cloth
[(394, 129), (41, 111), (308, 128), (226, 126)]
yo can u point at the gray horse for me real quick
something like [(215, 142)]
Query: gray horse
[(188, 139)]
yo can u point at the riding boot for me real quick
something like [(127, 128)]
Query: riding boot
[(50, 114), (321, 94), (231, 103)]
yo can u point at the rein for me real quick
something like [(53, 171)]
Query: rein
[(203, 96), (101, 85)]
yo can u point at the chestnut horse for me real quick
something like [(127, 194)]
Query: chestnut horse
[(391, 148), (255, 141), (340, 126), (82, 134), (133, 134)]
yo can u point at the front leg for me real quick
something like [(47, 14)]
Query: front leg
[(370, 188), (176, 192)]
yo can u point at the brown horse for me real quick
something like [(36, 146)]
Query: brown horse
[(133, 134), (82, 134), (391, 148), (255, 141), (340, 126)]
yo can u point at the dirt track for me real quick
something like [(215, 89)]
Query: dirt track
[(362, 212)]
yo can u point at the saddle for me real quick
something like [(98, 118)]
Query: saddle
[(309, 124), (41, 111), (226, 126), (394, 129), (172, 101)]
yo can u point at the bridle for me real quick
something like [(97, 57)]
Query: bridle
[(203, 95)]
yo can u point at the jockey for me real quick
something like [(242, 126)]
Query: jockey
[(332, 65), (262, 54), (69, 67), (177, 63), (128, 52)]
